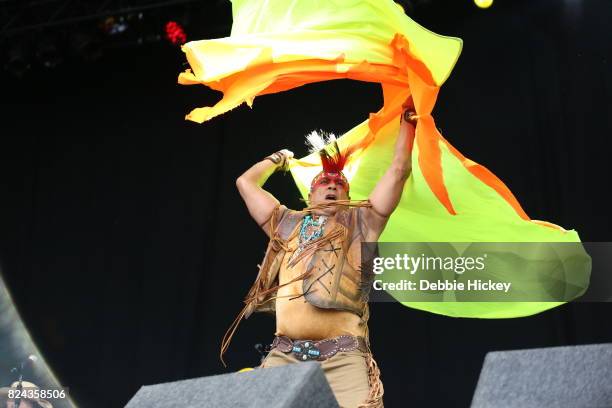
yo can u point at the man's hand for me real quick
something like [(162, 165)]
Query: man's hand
[(281, 159), (287, 153), (288, 156)]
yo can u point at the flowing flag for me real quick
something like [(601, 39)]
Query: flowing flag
[(278, 45)]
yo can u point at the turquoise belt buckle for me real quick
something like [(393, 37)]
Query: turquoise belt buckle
[(306, 350)]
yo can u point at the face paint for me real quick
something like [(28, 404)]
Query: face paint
[(324, 179)]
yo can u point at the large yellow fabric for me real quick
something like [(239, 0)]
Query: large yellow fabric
[(277, 45)]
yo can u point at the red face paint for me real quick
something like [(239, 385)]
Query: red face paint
[(324, 179)]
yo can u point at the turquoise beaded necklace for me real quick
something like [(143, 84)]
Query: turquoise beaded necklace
[(312, 229)]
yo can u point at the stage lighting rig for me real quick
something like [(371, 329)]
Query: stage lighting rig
[(113, 25)]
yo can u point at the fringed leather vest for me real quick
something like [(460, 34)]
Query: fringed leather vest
[(333, 278)]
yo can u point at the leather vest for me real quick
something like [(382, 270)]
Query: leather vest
[(333, 279)]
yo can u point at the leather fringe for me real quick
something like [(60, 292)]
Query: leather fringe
[(257, 292)]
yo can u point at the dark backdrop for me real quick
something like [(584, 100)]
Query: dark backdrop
[(128, 250)]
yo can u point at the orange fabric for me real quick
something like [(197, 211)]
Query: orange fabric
[(284, 76)]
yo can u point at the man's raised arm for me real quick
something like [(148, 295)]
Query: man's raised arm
[(388, 191), (261, 203)]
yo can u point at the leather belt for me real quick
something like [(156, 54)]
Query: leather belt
[(305, 350)]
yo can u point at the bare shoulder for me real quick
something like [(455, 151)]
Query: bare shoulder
[(280, 212)]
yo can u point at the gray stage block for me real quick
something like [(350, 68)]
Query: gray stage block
[(300, 385), (560, 377)]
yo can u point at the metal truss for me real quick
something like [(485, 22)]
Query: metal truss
[(21, 16)]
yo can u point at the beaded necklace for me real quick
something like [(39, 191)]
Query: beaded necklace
[(312, 228)]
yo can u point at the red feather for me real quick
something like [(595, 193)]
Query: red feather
[(333, 162)]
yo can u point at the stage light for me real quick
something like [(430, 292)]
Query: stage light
[(175, 33), (114, 25), (483, 3)]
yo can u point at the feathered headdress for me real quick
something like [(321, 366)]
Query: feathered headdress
[(332, 158)]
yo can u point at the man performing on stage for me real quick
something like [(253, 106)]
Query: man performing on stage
[(311, 274)]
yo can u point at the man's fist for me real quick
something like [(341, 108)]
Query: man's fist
[(288, 153), (281, 159)]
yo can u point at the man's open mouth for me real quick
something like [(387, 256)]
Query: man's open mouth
[(331, 197)]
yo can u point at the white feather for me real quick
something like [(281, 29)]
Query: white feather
[(317, 140)]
